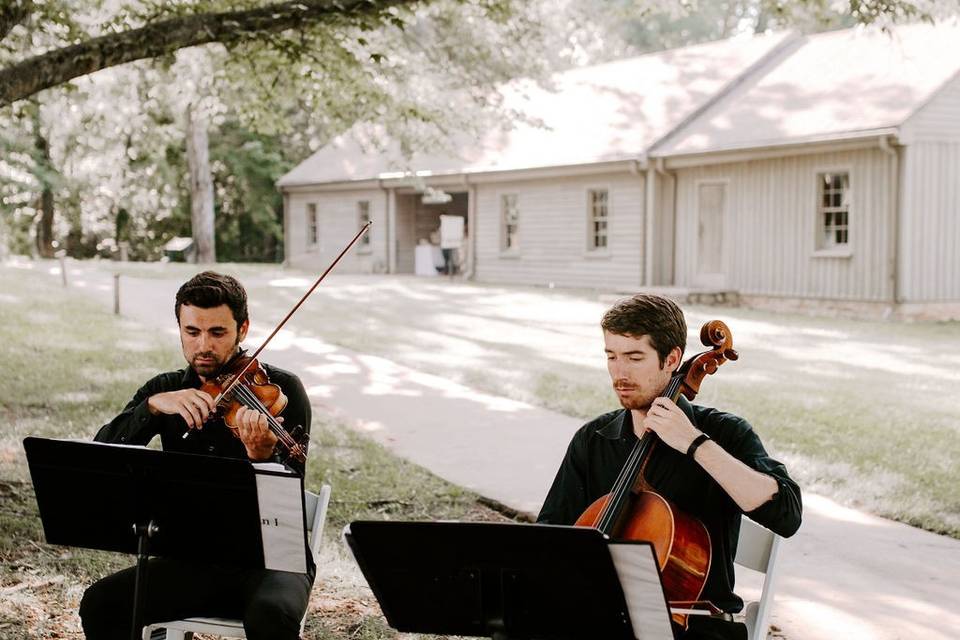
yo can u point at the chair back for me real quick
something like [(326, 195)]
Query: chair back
[(316, 516), (757, 549)]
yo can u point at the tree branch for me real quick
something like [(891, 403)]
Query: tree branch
[(161, 38)]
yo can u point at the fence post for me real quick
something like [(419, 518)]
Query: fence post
[(116, 294), (62, 256)]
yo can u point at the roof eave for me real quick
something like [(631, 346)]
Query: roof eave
[(812, 144), (453, 178)]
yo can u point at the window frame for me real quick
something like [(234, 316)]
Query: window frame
[(821, 229), (363, 217), (313, 226), (509, 243), (592, 247)]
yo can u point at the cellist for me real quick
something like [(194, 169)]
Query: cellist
[(713, 466)]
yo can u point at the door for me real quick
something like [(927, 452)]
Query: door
[(711, 208)]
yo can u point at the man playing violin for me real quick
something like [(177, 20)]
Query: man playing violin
[(211, 311), (713, 466)]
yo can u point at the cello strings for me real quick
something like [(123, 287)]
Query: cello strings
[(623, 483)]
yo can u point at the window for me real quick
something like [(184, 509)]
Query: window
[(311, 225), (511, 220), (597, 215), (833, 210), (363, 217)]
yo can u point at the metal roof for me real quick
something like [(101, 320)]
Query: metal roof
[(827, 86), (611, 111)]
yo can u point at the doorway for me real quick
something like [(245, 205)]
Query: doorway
[(711, 212), (418, 223)]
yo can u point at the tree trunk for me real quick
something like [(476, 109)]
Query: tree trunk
[(45, 227), (201, 187)]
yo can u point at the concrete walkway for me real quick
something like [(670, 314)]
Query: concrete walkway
[(844, 575)]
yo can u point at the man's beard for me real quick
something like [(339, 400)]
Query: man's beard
[(206, 370), (634, 400), (213, 368)]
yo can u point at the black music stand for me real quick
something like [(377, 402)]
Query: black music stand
[(147, 502), (505, 581)]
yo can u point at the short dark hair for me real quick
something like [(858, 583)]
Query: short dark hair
[(649, 315), (211, 289)]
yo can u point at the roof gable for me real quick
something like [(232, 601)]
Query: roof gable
[(828, 86)]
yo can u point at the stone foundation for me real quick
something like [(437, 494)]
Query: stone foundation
[(916, 311)]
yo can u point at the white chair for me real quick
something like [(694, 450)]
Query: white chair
[(316, 515), (757, 549)]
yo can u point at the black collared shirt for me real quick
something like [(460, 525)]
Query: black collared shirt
[(600, 448), (136, 425)]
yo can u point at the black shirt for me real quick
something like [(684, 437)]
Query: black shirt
[(600, 448), (136, 425)]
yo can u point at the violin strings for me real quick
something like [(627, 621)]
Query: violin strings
[(251, 401)]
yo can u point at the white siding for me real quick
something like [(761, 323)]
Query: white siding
[(337, 223), (930, 224), (938, 120), (553, 233), (771, 226)]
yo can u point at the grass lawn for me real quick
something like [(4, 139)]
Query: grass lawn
[(71, 367)]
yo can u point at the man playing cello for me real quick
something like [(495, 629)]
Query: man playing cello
[(713, 466), (211, 312)]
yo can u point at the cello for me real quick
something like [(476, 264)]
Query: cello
[(633, 510)]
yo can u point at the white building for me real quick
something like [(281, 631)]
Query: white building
[(795, 171)]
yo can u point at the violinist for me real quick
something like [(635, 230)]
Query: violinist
[(710, 464), (211, 312)]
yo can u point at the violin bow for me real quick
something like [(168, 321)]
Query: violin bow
[(276, 329)]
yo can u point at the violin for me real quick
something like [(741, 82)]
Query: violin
[(244, 383), (633, 510), (254, 390)]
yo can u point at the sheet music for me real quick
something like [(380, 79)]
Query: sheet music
[(637, 569), (281, 518)]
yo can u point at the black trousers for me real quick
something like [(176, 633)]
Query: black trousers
[(449, 261), (701, 628), (270, 603)]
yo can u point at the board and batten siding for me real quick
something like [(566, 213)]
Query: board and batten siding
[(771, 225), (938, 120), (930, 223), (930, 215), (337, 223), (553, 228)]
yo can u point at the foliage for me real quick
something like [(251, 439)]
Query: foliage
[(249, 216), (117, 136), (638, 26)]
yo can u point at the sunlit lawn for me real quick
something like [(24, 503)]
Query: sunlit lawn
[(70, 367)]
